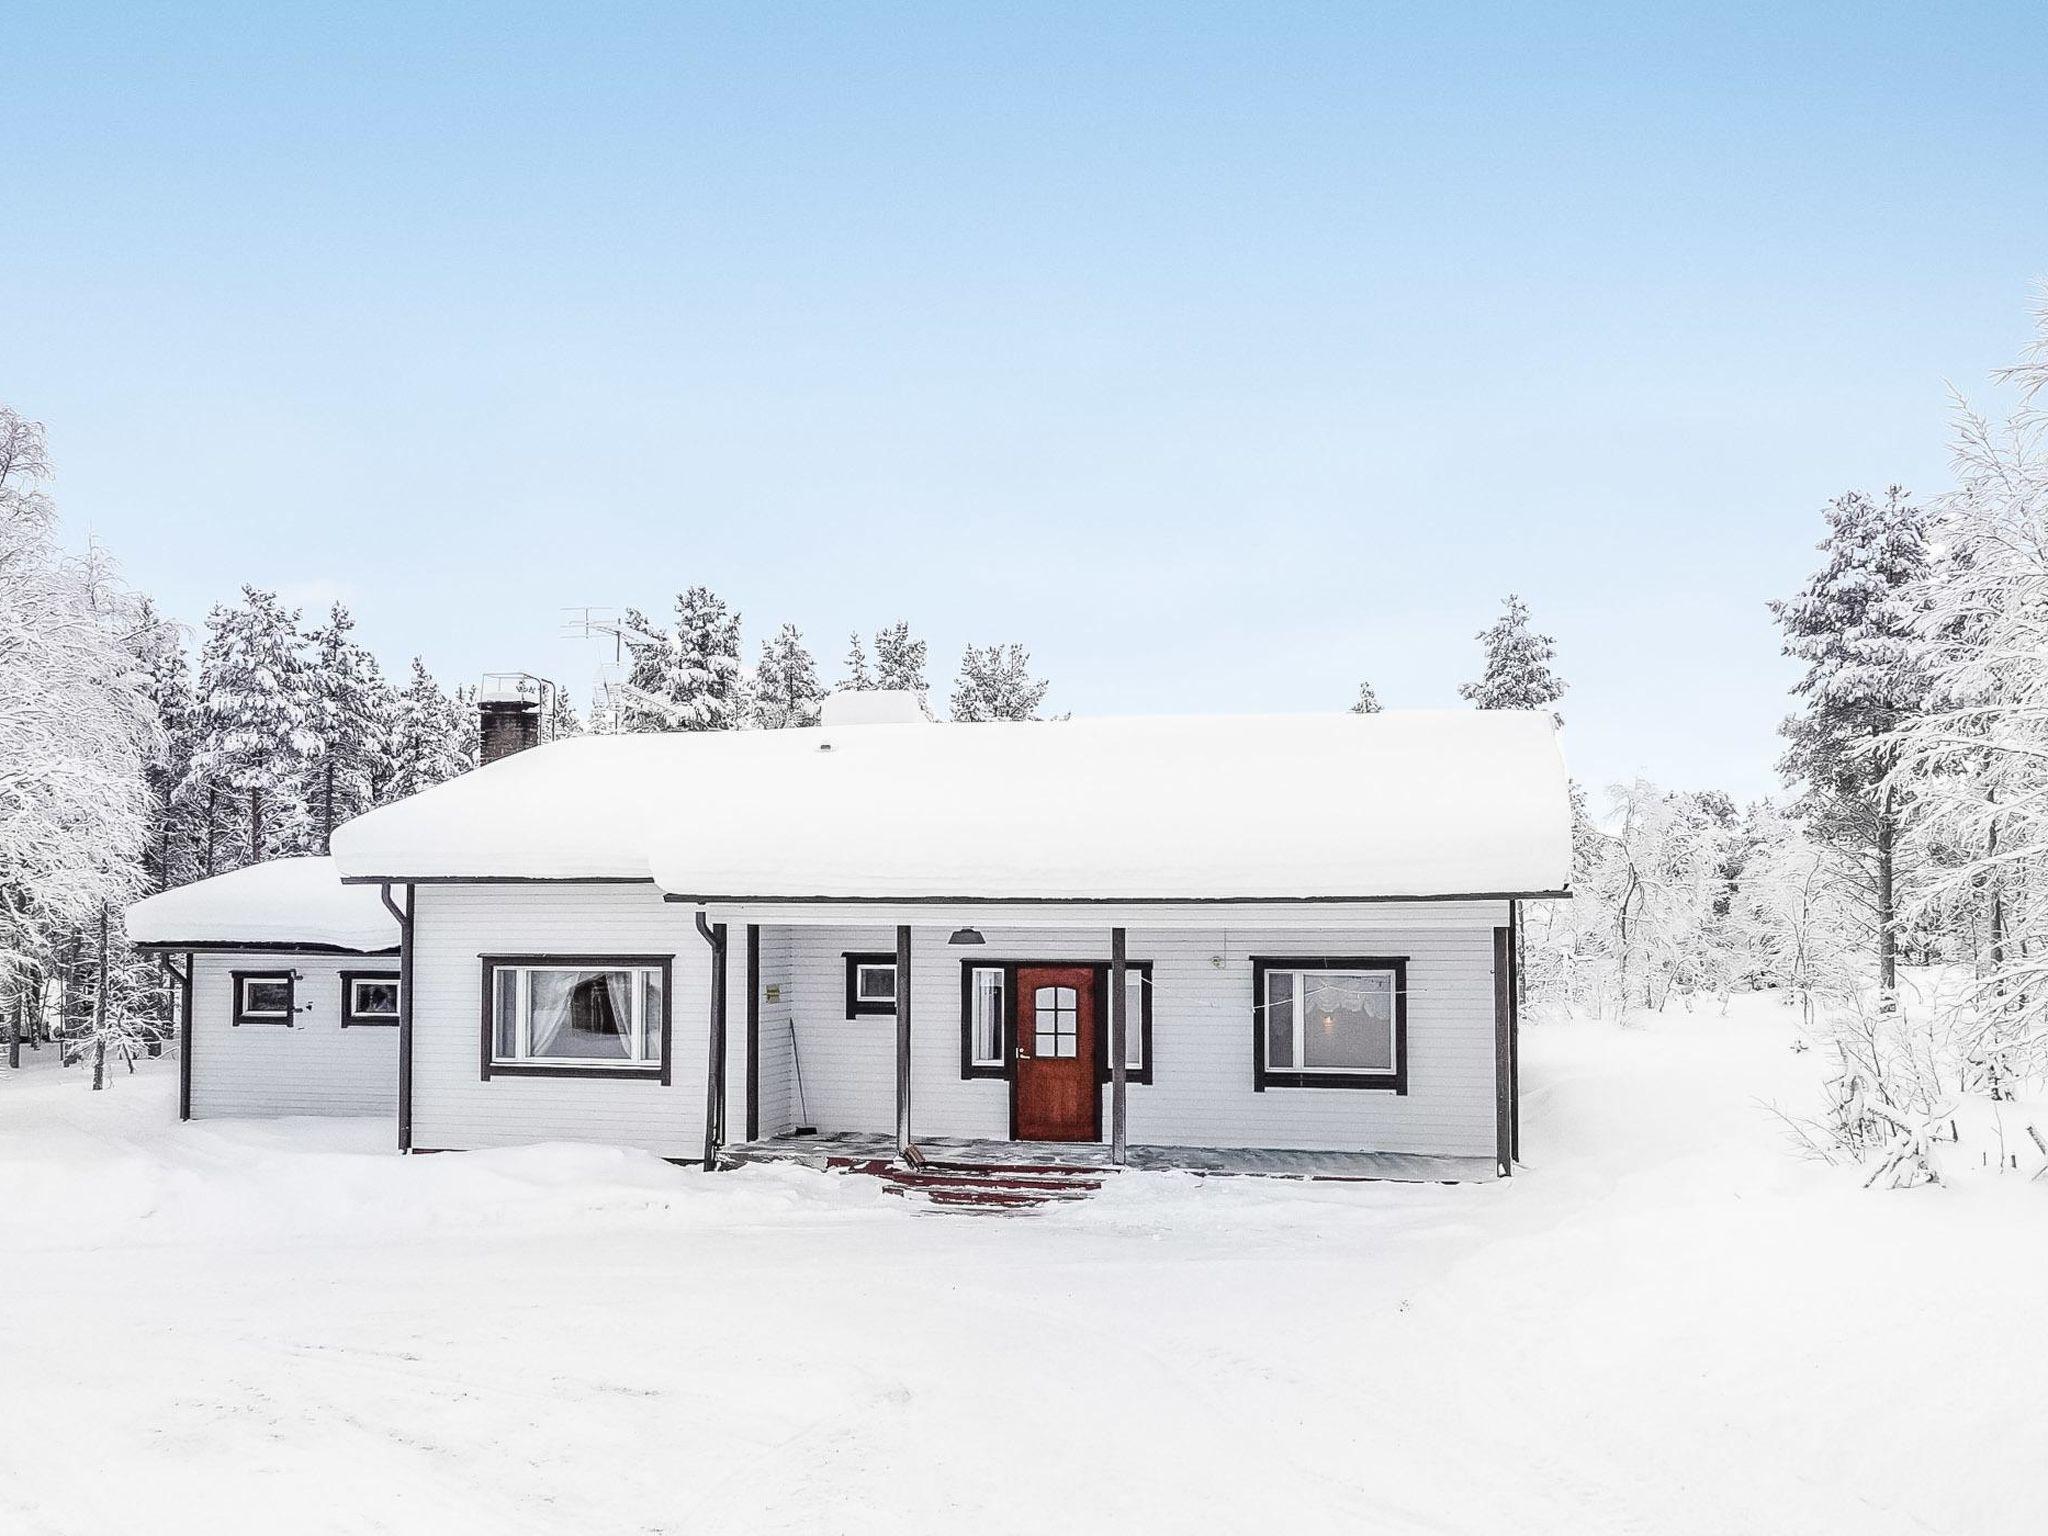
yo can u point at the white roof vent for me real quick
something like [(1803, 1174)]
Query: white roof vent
[(873, 706)]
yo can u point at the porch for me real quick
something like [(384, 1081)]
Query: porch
[(843, 1149)]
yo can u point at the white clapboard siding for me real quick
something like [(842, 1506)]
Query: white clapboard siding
[(1201, 1093), (311, 1067), (453, 1107)]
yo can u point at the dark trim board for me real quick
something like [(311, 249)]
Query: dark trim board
[(664, 963), (1103, 901), (224, 947), (350, 1019), (497, 880), (1503, 1050), (1142, 1073), (184, 981), (290, 979), (1395, 1082), (753, 1031)]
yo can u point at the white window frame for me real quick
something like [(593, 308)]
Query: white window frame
[(646, 1028), (1002, 1004), (861, 968), (244, 1014), (1333, 969), (354, 1013)]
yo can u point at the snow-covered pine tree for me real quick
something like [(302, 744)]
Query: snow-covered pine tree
[(558, 719), (171, 854), (710, 688), (1858, 627), (423, 737), (786, 687), (857, 674), (900, 663), (466, 727), (348, 693), (256, 733), (642, 702), (1368, 702), (995, 683), (1517, 674)]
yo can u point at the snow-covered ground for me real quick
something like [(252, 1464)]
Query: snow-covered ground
[(1667, 1325)]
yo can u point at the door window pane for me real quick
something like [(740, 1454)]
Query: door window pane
[(1056, 1022)]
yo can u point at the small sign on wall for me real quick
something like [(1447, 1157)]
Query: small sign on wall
[(774, 992)]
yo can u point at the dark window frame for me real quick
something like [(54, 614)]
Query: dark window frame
[(289, 977), (1394, 1082), (634, 1073), (971, 1070), (858, 1007), (350, 1019)]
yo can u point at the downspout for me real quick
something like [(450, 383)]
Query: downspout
[(714, 1083), (404, 1007)]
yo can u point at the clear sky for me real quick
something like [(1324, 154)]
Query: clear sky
[(1223, 355)]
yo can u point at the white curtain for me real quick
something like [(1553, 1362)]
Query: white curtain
[(548, 996)]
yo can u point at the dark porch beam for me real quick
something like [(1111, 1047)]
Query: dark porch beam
[(714, 1069), (1119, 1026), (405, 947), (903, 1041)]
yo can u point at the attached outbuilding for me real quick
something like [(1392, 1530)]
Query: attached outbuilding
[(289, 991)]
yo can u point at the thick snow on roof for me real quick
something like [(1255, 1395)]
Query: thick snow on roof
[(286, 901), (1422, 803)]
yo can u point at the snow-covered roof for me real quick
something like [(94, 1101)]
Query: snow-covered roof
[(1415, 803), (283, 902)]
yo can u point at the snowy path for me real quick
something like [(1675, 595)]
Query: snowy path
[(1667, 1326)]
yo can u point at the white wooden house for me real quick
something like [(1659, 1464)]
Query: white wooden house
[(1301, 929)]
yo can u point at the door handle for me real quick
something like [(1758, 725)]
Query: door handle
[(1020, 1054)]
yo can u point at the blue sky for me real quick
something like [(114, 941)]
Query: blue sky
[(1221, 355)]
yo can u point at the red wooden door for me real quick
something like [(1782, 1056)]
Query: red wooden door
[(1056, 1095)]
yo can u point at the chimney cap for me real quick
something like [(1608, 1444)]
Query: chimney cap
[(511, 688)]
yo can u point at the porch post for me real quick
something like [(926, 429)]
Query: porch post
[(714, 1068), (903, 1040), (1119, 1023)]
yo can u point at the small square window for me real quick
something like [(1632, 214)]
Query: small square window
[(264, 997), (870, 985), (369, 998)]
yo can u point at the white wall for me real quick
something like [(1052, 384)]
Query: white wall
[(312, 1067), (453, 1107), (1201, 1093)]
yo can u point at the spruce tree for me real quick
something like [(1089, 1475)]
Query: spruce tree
[(170, 857), (256, 735), (709, 690), (786, 688), (1368, 701), (423, 738), (559, 722), (1857, 627), (857, 674), (1517, 674), (900, 663), (348, 692), (995, 683), (650, 686)]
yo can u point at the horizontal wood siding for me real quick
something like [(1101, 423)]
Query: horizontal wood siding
[(454, 1108), (778, 1090), (1201, 1093), (313, 1067)]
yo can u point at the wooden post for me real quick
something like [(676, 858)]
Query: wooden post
[(1119, 1053), (1503, 1029), (753, 1031), (99, 1012), (714, 1066), (1516, 997), (404, 920), (903, 1040)]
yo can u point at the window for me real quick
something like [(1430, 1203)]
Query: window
[(1056, 1016), (369, 997), (576, 1016), (1330, 1023), (986, 991), (265, 997), (986, 987), (870, 985)]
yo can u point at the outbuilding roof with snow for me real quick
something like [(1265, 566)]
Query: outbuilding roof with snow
[(285, 903), (1257, 808)]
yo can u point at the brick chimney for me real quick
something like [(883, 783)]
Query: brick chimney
[(509, 706)]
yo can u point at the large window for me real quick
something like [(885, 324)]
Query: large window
[(870, 985), (1328, 1022), (600, 1016), (265, 997), (369, 998), (986, 1021)]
